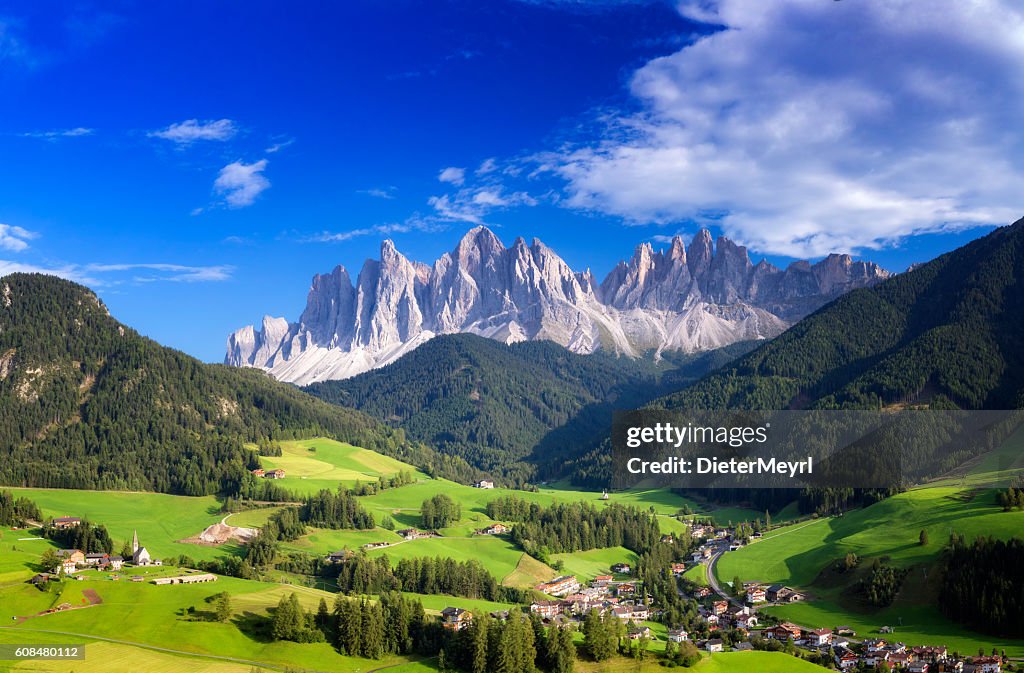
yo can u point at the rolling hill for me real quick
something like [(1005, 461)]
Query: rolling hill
[(950, 332), (86, 402), (502, 406)]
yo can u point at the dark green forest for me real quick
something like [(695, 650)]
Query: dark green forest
[(983, 584), (950, 331), (86, 402), (509, 408)]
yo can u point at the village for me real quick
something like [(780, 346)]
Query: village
[(69, 563), (728, 624), (725, 622)]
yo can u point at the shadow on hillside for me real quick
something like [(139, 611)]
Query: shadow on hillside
[(255, 627), (407, 519)]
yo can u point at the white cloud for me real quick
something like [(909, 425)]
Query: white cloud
[(473, 204), (412, 224), (804, 127), (192, 130), (278, 146), (387, 193), (54, 134), (69, 272), (240, 183), (15, 238), (487, 166), (98, 275), (453, 175), (178, 273)]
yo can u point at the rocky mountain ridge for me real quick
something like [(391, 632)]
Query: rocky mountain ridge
[(689, 298)]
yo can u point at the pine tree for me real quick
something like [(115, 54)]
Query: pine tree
[(288, 618), (527, 645), (923, 538), (479, 638), (223, 606), (323, 618), (372, 646), (561, 652)]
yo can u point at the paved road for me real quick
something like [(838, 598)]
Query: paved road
[(713, 580)]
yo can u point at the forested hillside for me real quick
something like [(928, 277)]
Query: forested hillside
[(948, 332), (506, 407), (86, 402)]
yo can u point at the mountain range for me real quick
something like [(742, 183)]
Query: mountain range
[(946, 333), (686, 298)]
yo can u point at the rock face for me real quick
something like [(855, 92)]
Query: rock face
[(692, 298)]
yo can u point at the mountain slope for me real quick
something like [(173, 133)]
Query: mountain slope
[(951, 330), (500, 406), (86, 402), (682, 299)]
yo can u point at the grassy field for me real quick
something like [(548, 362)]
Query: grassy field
[(498, 555), (113, 658), (160, 519), (529, 572), (720, 662), (890, 528), (698, 574), (762, 662), (315, 464), (797, 555), (143, 613), (324, 540), (664, 502), (586, 565)]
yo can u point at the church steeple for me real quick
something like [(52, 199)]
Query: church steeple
[(135, 541)]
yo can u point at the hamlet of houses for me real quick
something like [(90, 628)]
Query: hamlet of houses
[(71, 561), (268, 474), (626, 600)]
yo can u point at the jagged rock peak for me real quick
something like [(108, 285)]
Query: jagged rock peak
[(686, 298)]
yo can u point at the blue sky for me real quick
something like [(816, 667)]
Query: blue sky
[(197, 163)]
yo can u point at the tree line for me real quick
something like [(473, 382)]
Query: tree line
[(392, 624), (17, 511), (362, 574), (981, 584), (86, 536), (575, 526)]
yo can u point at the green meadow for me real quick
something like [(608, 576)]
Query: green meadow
[(142, 613), (719, 662), (586, 565), (114, 658), (497, 554), (315, 464), (161, 520), (799, 555)]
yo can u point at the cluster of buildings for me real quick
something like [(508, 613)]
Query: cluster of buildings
[(70, 561), (921, 659), (194, 578), (874, 652), (604, 594), (416, 534), (268, 474), (720, 615), (756, 593), (493, 529)]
